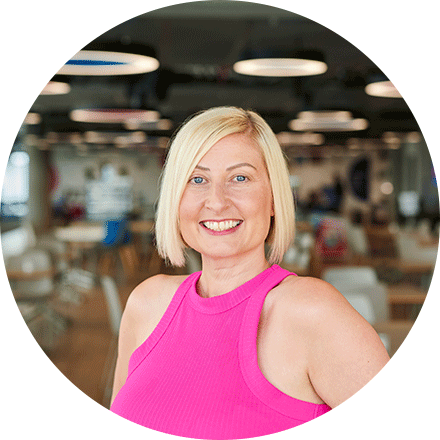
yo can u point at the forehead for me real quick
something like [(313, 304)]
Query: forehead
[(233, 147)]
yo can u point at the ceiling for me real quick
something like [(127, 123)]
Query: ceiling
[(197, 44)]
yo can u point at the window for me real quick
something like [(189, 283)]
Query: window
[(15, 194)]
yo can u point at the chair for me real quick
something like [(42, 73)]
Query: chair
[(362, 303), (410, 250), (117, 237), (362, 280), (360, 275), (362, 289), (16, 241), (32, 279), (357, 239), (114, 310)]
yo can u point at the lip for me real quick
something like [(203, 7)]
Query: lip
[(225, 232)]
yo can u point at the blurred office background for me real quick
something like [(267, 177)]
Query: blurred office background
[(81, 184)]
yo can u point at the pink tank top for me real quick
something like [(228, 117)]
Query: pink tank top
[(197, 374)]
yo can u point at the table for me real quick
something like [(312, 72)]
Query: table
[(405, 300), (406, 294)]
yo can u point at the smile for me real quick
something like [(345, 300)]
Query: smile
[(221, 226)]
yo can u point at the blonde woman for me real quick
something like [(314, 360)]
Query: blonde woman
[(242, 348)]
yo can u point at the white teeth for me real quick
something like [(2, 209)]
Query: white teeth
[(221, 226)]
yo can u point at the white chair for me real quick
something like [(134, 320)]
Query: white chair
[(32, 280), (114, 310), (360, 280), (114, 307), (362, 303), (359, 275), (409, 250), (16, 241), (357, 239)]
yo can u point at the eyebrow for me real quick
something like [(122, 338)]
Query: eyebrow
[(232, 167)]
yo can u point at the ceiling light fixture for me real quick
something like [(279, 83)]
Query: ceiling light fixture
[(99, 62), (55, 88), (109, 138), (159, 124), (383, 89), (327, 120), (114, 116), (287, 139), (32, 119), (280, 63)]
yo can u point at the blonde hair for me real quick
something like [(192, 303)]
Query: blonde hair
[(190, 143)]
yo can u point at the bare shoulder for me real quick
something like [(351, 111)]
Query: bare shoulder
[(319, 311), (310, 299), (147, 304), (342, 350), (153, 293)]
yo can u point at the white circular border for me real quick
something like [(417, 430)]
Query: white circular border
[(401, 402)]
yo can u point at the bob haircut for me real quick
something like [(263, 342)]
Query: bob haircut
[(189, 144)]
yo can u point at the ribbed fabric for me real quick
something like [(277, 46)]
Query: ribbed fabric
[(197, 374)]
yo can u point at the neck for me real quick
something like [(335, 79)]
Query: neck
[(221, 276)]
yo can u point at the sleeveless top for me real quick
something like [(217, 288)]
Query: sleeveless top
[(197, 374)]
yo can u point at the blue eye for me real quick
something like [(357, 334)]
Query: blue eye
[(240, 178), (197, 180)]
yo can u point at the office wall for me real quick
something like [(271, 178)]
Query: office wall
[(70, 168)]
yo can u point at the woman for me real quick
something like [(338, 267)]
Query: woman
[(242, 348)]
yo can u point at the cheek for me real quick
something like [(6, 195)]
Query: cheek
[(188, 208)]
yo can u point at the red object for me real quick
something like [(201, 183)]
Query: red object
[(331, 240)]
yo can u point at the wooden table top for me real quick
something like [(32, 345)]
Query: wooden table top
[(406, 294)]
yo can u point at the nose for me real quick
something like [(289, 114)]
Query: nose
[(217, 199)]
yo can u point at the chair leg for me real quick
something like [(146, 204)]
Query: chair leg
[(129, 260), (106, 263), (108, 372)]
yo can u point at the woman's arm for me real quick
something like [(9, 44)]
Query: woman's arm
[(344, 351)]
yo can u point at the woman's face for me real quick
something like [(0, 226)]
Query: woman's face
[(226, 207)]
